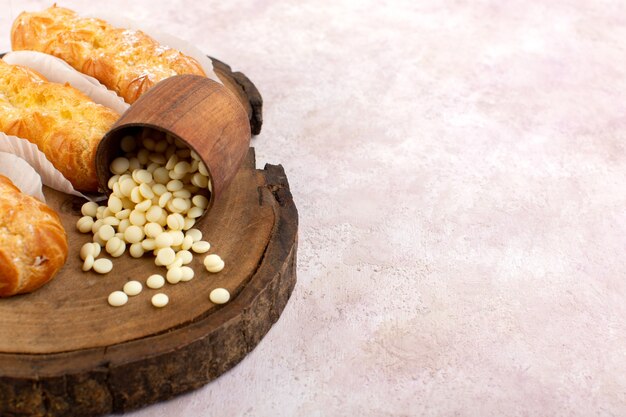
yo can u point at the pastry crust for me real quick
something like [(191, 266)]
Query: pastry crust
[(33, 243), (126, 61), (65, 124)]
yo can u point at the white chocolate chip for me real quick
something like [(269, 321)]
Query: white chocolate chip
[(134, 164), (219, 296), (113, 245), (148, 244), (157, 158), (106, 232), (136, 250), (174, 185), (85, 224), (184, 193), (138, 218), (86, 250), (165, 256), (127, 186), (164, 240), (88, 264), (123, 214), (202, 169), (195, 234), (176, 264), (171, 162), (112, 181), (185, 256), (160, 300), (117, 298), (106, 213), (89, 209), (134, 234), (124, 224), (133, 288), (199, 180), (159, 189), (135, 195), (115, 204), (155, 281), (154, 214), (187, 273), (213, 263), (120, 165), (174, 275), (182, 167), (111, 221), (99, 241), (103, 266), (146, 191), (149, 143), (201, 246), (187, 243), (200, 201), (195, 212), (164, 199), (128, 143), (177, 237), (175, 221), (189, 223)]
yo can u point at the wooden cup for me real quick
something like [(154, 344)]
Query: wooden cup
[(202, 113)]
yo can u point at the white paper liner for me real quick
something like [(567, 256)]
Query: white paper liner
[(22, 175), (44, 169), (161, 37), (58, 71)]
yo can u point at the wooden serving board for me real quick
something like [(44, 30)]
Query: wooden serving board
[(65, 352)]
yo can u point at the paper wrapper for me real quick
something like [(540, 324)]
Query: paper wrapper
[(28, 159), (22, 175)]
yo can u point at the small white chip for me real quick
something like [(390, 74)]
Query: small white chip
[(213, 263), (201, 246), (117, 298), (133, 288), (155, 281), (219, 296), (103, 266), (160, 300)]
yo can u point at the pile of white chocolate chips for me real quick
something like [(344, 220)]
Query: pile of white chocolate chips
[(158, 190)]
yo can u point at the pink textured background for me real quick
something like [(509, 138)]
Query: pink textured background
[(460, 171)]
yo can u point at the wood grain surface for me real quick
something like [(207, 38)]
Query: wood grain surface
[(65, 352)]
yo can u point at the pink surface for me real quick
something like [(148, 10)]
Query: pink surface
[(460, 171)]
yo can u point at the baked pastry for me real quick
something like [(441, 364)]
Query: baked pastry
[(33, 243), (65, 124), (126, 61)]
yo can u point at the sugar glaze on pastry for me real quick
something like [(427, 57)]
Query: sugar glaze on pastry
[(64, 123), (126, 61)]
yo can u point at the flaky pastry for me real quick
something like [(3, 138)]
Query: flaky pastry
[(33, 243), (126, 61), (65, 124)]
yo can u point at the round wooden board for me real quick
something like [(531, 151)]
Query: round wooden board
[(65, 352)]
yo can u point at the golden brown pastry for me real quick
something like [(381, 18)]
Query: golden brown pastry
[(64, 123), (126, 61), (33, 244)]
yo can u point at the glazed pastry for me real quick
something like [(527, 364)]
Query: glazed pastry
[(64, 123), (126, 61), (33, 243)]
